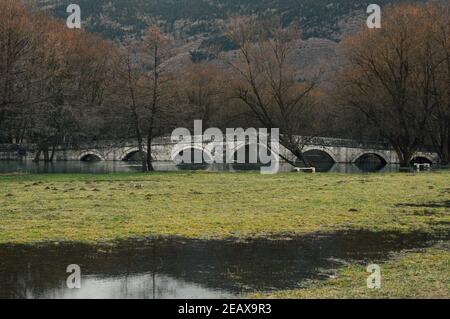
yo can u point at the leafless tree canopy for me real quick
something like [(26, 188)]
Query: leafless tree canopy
[(266, 80), (61, 87), (397, 77)]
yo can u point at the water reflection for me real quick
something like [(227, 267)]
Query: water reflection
[(139, 286), (320, 160), (179, 268), (370, 163), (99, 167)]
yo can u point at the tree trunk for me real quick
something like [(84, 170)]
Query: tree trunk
[(143, 157), (46, 157), (52, 154), (149, 150), (141, 151), (295, 150), (404, 157), (135, 115), (445, 151), (299, 154), (37, 156)]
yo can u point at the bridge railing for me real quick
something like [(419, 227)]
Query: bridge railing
[(340, 142), (16, 147), (108, 144)]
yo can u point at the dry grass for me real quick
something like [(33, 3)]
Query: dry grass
[(36, 208), (422, 274)]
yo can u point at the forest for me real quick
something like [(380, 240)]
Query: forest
[(61, 87)]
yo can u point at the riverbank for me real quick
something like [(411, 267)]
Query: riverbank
[(98, 208)]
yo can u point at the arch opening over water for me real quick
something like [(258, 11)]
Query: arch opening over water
[(90, 158), (134, 156), (249, 161), (321, 160), (370, 162), (179, 159), (421, 160)]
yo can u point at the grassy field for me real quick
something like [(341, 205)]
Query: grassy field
[(416, 274), (95, 208), (100, 208)]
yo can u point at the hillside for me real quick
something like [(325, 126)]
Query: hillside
[(119, 18), (198, 24)]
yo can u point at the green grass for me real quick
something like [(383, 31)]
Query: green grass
[(419, 274), (95, 208)]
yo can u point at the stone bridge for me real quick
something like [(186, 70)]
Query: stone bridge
[(164, 149)]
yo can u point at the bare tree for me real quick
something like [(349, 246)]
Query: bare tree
[(267, 81), (143, 74), (202, 88), (157, 50), (16, 46), (388, 79), (73, 75), (127, 90), (438, 38)]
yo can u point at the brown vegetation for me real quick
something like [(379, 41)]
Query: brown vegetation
[(61, 87)]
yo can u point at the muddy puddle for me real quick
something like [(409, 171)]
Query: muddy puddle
[(178, 268)]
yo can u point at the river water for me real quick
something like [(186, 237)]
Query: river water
[(97, 167)]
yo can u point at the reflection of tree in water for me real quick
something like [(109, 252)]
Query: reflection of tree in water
[(198, 268), (243, 160), (191, 164)]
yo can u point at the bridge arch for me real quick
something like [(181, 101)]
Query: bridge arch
[(177, 154), (130, 153), (421, 159), (231, 156), (370, 154), (91, 156), (319, 150), (380, 155), (370, 162), (321, 159)]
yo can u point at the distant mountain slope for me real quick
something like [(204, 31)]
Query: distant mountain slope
[(198, 24), (119, 18)]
